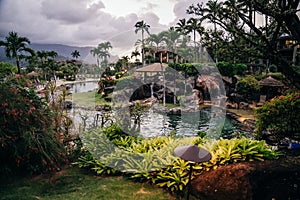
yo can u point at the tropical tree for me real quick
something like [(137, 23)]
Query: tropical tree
[(172, 39), (212, 9), (194, 26), (14, 46), (135, 54), (75, 54), (101, 52), (125, 62), (235, 18), (96, 53), (142, 26), (46, 62), (156, 39), (181, 26)]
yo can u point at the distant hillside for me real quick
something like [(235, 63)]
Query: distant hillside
[(63, 51)]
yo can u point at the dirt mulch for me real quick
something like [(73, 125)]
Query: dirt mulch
[(271, 180)]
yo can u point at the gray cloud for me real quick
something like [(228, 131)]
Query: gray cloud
[(80, 23), (69, 12), (181, 7)]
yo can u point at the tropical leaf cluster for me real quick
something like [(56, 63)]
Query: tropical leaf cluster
[(153, 160)]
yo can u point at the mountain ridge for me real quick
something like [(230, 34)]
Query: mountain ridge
[(62, 50)]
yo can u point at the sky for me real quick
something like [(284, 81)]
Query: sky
[(89, 22)]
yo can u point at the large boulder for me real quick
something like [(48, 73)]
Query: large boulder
[(271, 179)]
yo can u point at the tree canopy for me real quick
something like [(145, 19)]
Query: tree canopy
[(14, 46), (236, 30)]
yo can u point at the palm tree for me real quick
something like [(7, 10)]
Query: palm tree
[(181, 26), (125, 62), (104, 55), (135, 54), (194, 26), (46, 60), (14, 45), (142, 26), (156, 39), (211, 12), (101, 52), (105, 46), (171, 38), (75, 54), (95, 52)]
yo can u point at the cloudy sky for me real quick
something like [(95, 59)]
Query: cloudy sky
[(88, 22)]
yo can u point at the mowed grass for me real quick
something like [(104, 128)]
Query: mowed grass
[(91, 98), (79, 184)]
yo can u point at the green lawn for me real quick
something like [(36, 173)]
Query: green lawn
[(87, 99), (78, 184)]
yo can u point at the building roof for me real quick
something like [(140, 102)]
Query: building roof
[(154, 67), (269, 81)]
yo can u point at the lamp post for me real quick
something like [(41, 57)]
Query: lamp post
[(193, 154)]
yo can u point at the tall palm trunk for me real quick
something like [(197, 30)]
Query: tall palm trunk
[(195, 46), (143, 49), (17, 61)]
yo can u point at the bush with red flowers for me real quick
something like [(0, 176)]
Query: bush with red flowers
[(28, 142), (279, 118)]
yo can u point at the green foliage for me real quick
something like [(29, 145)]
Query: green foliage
[(230, 69), (152, 159), (28, 141), (275, 75), (119, 74), (225, 151), (175, 177), (125, 82), (279, 118), (187, 69), (7, 69), (247, 86)]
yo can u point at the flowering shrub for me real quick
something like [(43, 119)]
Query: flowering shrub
[(28, 142), (279, 118)]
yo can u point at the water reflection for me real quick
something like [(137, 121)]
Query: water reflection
[(83, 86), (154, 124)]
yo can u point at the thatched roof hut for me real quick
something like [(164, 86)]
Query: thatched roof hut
[(270, 82), (270, 87)]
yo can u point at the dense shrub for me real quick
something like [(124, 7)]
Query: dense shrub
[(28, 142), (279, 118), (231, 69), (247, 86), (7, 69)]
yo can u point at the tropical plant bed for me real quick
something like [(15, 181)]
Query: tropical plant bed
[(270, 179)]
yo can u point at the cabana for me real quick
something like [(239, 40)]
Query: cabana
[(154, 72), (151, 70), (270, 87)]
